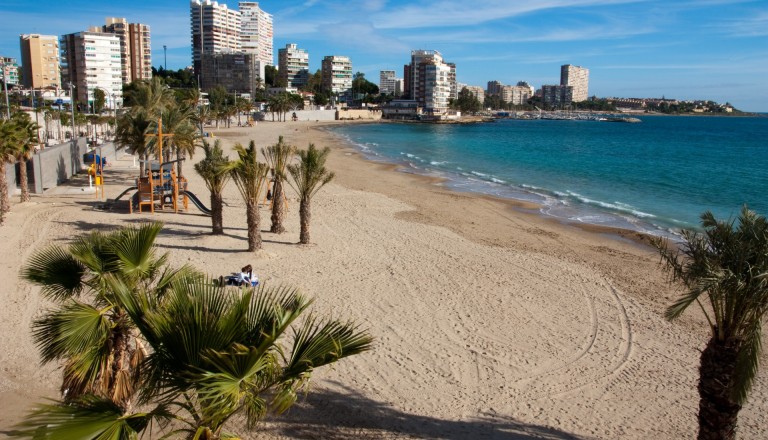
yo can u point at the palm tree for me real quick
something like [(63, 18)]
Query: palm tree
[(90, 330), (25, 146), (201, 116), (213, 170), (216, 352), (9, 139), (725, 272), (152, 97), (132, 128), (309, 175), (177, 119), (277, 157), (250, 176)]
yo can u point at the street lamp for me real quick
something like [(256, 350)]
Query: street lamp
[(165, 57), (72, 106)]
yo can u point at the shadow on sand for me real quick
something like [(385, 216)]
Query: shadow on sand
[(348, 415)]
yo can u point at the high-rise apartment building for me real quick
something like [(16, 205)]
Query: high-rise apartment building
[(337, 74), (387, 82), (135, 48), (518, 94), (40, 61), (256, 32), (578, 78), (237, 72), (454, 94), (556, 96), (215, 29), (92, 60), (293, 66), (9, 70), (431, 81)]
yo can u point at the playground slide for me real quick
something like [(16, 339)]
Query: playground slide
[(197, 202), (132, 188)]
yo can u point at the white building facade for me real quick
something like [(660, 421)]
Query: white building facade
[(92, 60), (293, 66), (337, 74), (215, 29), (256, 34), (387, 82), (431, 81)]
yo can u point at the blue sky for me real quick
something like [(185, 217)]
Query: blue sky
[(691, 49)]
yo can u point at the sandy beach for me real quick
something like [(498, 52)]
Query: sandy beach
[(490, 320)]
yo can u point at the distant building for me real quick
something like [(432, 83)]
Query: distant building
[(135, 48), (578, 78), (293, 66), (454, 93), (241, 73), (407, 80), (431, 81), (494, 88), (402, 109), (256, 32), (9, 71), (477, 91), (387, 81), (517, 95), (556, 96), (220, 34), (40, 61), (337, 74), (91, 60), (399, 87)]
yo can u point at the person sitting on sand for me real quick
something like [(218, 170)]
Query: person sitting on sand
[(246, 274)]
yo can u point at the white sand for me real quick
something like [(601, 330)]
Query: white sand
[(490, 321)]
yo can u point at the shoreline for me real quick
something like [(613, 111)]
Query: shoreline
[(639, 236)]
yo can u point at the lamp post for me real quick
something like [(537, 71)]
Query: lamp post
[(72, 105), (6, 74), (165, 57)]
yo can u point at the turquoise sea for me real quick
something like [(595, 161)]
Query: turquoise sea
[(656, 176)]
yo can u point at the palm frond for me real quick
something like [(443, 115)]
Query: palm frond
[(88, 418), (74, 329), (59, 274)]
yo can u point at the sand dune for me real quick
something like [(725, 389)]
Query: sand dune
[(490, 321)]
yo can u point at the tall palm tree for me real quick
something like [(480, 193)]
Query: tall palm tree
[(177, 119), (132, 128), (725, 272), (201, 116), (250, 176), (309, 175), (216, 352), (213, 169), (152, 96), (25, 147), (90, 330), (277, 157)]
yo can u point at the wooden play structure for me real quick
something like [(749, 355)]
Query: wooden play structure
[(160, 187)]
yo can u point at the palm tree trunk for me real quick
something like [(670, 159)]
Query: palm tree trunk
[(217, 213), (5, 204), (718, 412), (305, 215), (278, 207), (253, 218), (120, 344), (24, 180)]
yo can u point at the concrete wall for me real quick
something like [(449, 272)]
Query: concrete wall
[(359, 114), (54, 165), (314, 115)]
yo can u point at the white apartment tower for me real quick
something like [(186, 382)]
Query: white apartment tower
[(337, 74), (215, 29), (578, 78), (40, 61), (431, 81), (256, 32), (387, 81), (91, 60), (293, 66)]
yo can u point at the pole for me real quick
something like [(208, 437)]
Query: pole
[(165, 57), (6, 74)]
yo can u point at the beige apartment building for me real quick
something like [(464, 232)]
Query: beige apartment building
[(90, 61), (293, 66), (40, 61), (578, 78)]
